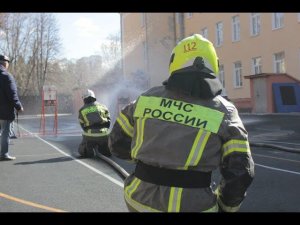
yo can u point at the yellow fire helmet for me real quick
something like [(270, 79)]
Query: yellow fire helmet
[(187, 50)]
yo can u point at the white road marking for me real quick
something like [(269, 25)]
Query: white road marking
[(77, 160), (116, 181), (280, 142), (274, 168), (272, 157)]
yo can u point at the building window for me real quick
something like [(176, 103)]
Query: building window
[(189, 15), (279, 65), (222, 75), (237, 74), (143, 19), (255, 24), (235, 28), (277, 20), (219, 34), (256, 65), (204, 32)]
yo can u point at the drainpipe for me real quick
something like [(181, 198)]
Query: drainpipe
[(175, 31), (122, 44), (181, 26), (147, 50)]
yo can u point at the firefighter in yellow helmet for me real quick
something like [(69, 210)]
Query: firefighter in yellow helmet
[(178, 134), (94, 119)]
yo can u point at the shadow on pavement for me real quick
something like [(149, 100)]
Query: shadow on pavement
[(53, 160)]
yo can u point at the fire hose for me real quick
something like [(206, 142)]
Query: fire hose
[(121, 171)]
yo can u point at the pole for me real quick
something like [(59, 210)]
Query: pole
[(55, 113), (19, 134), (43, 115)]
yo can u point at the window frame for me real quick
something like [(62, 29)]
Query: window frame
[(255, 24), (219, 34), (277, 20), (256, 66), (236, 28), (204, 32), (279, 64), (222, 75), (237, 74)]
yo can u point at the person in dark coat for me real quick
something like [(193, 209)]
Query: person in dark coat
[(9, 101)]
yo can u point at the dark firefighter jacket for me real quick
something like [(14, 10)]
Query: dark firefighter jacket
[(9, 100), (186, 126), (94, 119)]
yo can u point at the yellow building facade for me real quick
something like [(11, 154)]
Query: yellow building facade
[(147, 40), (246, 43)]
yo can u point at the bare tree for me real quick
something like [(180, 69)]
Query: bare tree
[(111, 52), (47, 43), (31, 41), (14, 41), (67, 74)]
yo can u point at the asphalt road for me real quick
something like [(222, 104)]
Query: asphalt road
[(48, 176)]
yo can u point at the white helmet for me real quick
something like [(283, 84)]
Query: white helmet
[(88, 93)]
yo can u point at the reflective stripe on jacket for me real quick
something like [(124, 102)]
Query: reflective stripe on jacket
[(94, 119), (187, 133)]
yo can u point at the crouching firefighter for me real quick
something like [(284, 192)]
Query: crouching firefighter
[(178, 134), (94, 119)]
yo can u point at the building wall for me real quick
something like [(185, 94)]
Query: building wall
[(152, 59), (265, 45), (161, 39), (133, 35)]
